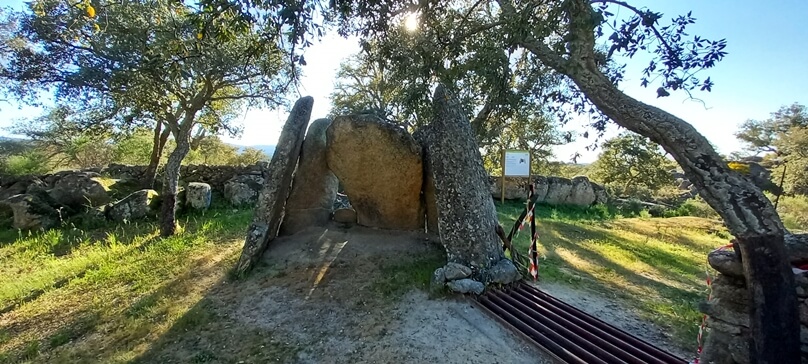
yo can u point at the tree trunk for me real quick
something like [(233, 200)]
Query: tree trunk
[(748, 214), (168, 224), (160, 139)]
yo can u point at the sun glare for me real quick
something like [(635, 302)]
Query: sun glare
[(411, 22)]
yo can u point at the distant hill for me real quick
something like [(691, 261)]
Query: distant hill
[(269, 150)]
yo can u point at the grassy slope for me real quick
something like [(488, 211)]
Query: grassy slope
[(115, 295), (108, 296), (656, 266)]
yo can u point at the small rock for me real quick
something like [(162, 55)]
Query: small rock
[(725, 262), (503, 272), (243, 189), (197, 195), (438, 280), (466, 286), (137, 205), (454, 271), (77, 189), (717, 310), (31, 213), (345, 216), (801, 292)]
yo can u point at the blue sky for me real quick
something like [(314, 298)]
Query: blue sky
[(767, 67)]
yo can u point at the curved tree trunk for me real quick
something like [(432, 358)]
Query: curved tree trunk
[(160, 139), (748, 214), (168, 224)]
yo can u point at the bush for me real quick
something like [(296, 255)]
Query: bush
[(693, 207), (793, 211), (29, 163)]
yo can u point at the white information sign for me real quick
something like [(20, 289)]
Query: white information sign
[(517, 163)]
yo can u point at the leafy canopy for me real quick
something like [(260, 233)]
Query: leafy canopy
[(631, 161)]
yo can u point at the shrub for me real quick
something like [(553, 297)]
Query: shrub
[(26, 164)]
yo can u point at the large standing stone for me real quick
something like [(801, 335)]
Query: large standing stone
[(79, 189), (314, 187), (380, 166), (137, 205), (271, 200), (31, 212), (428, 193), (198, 195), (466, 215)]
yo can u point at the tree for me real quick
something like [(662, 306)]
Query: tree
[(562, 35), (783, 138), (503, 94), (250, 156), (631, 161), (63, 140), (212, 151), (159, 60)]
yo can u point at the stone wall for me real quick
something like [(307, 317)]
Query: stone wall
[(578, 191), (215, 176), (728, 333)]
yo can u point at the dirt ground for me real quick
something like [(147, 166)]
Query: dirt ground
[(323, 296), (319, 293)]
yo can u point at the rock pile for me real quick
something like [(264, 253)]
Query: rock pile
[(728, 336)]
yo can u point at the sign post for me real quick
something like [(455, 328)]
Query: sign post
[(515, 163)]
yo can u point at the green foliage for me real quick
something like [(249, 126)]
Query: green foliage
[(652, 266), (783, 138), (631, 161), (693, 207), (793, 211), (212, 151), (134, 147), (68, 139), (28, 163)]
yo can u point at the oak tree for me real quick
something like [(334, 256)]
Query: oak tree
[(163, 61)]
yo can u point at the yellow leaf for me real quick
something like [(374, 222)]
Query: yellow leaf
[(90, 11), (198, 35), (97, 28)]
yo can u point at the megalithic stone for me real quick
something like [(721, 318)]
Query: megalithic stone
[(467, 217), (271, 200), (315, 186)]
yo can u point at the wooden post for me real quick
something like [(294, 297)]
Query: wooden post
[(502, 178)]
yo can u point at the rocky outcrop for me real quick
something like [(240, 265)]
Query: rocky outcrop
[(579, 191), (32, 212), (137, 205), (271, 200), (380, 167), (729, 333), (79, 189), (243, 189), (315, 186), (198, 195), (466, 215)]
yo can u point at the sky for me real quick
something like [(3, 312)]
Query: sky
[(766, 68)]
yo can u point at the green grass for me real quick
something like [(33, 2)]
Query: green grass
[(656, 266), (121, 293), (397, 279)]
